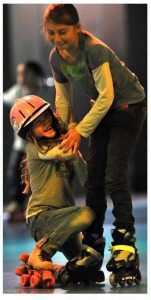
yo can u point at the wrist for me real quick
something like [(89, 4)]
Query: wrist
[(72, 125), (79, 132)]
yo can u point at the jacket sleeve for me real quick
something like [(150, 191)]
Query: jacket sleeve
[(104, 85), (62, 101), (54, 152)]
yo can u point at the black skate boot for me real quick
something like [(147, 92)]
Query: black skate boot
[(96, 241), (84, 268), (124, 262)]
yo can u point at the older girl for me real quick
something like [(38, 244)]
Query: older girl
[(82, 61)]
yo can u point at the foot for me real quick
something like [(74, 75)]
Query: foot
[(39, 259), (87, 259)]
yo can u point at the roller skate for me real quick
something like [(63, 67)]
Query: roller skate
[(124, 262), (96, 241), (39, 259), (84, 268), (36, 278)]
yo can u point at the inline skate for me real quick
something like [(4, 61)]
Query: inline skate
[(84, 268), (124, 262), (96, 241)]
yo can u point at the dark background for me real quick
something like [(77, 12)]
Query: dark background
[(122, 26)]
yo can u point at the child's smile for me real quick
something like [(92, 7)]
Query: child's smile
[(42, 126), (64, 37)]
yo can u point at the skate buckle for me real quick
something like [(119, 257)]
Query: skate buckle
[(128, 248)]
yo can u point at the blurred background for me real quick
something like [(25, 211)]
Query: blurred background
[(122, 26)]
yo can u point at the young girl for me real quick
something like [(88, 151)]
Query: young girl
[(52, 217), (82, 61)]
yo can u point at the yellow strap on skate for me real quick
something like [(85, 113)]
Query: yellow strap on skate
[(123, 247)]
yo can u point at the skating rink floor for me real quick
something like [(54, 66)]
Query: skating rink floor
[(16, 239)]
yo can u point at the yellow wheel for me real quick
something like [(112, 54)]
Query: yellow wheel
[(113, 280)]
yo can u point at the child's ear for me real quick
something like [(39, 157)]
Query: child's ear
[(78, 26)]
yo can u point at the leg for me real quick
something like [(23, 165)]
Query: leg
[(125, 127), (72, 247), (95, 197), (52, 228), (124, 262)]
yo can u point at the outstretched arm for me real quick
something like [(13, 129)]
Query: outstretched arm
[(103, 82)]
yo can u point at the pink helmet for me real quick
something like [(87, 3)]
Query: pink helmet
[(24, 111)]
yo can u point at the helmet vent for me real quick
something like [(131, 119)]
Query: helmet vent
[(31, 104), (22, 114)]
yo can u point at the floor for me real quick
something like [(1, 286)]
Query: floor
[(17, 240)]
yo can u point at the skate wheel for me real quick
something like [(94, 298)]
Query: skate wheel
[(24, 257), (35, 281), (100, 276), (122, 283), (113, 280), (129, 282), (20, 270), (65, 278), (48, 279), (25, 280)]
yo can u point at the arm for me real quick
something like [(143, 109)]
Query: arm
[(103, 82), (55, 152), (62, 102)]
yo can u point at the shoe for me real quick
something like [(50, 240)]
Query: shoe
[(39, 259), (95, 241)]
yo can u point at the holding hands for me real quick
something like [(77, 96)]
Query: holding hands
[(71, 140)]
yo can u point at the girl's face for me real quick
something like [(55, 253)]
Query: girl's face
[(64, 37), (42, 126)]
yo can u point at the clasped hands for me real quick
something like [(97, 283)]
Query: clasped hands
[(71, 140)]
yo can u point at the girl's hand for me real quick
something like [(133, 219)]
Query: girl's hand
[(71, 140)]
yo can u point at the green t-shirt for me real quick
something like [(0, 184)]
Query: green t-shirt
[(92, 54), (51, 182)]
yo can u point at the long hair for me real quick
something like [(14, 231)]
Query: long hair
[(43, 145), (25, 178)]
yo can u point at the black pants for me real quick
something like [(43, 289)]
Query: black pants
[(111, 146)]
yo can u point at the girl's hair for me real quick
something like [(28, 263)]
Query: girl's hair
[(25, 178), (43, 145), (61, 14)]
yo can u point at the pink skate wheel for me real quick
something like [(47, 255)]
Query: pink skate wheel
[(20, 270), (35, 281), (48, 279), (24, 257), (25, 280)]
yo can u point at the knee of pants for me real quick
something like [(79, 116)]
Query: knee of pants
[(87, 214)]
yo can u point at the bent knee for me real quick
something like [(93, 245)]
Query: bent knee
[(87, 213)]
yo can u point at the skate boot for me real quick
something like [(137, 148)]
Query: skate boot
[(39, 259), (124, 262), (83, 268), (96, 241)]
